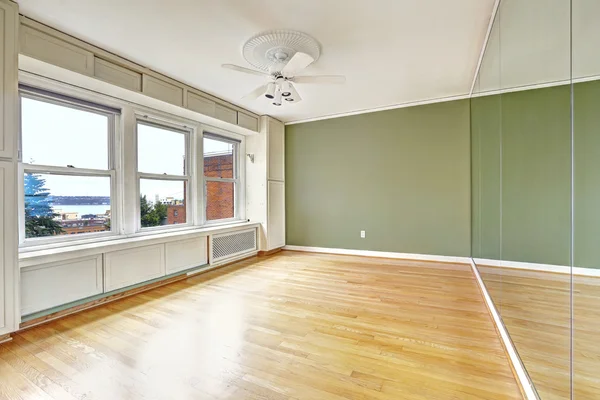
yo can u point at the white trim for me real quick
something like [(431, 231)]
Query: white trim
[(380, 254), (384, 108), (557, 269), (485, 43), (522, 376), (242, 256)]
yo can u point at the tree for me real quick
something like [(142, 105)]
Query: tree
[(152, 214), (39, 215)]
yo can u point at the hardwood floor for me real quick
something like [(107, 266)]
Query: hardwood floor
[(287, 326), (535, 307)]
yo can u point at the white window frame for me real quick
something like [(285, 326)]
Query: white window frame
[(239, 209), (110, 172), (187, 131)]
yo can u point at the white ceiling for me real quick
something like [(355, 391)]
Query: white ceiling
[(391, 51)]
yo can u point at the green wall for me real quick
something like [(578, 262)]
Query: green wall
[(521, 152), (402, 175), (586, 124)]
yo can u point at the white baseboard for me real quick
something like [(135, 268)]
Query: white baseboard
[(381, 254), (521, 374), (558, 269)]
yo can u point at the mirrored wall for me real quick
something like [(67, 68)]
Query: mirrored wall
[(536, 187)]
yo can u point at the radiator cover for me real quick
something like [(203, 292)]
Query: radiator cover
[(225, 246)]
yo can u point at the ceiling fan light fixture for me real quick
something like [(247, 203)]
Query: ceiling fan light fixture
[(270, 93), (285, 89), (277, 100)]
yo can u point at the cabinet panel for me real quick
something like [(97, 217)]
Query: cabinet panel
[(117, 75), (276, 215), (128, 267), (225, 114), (276, 148), (162, 90), (185, 254), (54, 51), (247, 121), (200, 104), (50, 285)]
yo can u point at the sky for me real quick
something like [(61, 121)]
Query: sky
[(61, 136)]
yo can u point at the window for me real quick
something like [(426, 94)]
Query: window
[(221, 177), (68, 173), (163, 176)]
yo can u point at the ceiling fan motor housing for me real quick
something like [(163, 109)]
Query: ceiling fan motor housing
[(269, 51)]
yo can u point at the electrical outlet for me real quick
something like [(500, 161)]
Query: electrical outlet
[(363, 234)]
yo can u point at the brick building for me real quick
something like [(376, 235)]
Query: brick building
[(219, 195)]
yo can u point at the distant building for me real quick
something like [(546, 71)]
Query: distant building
[(72, 227), (219, 196)]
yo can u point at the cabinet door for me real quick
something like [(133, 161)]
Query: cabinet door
[(127, 267), (8, 245), (186, 254), (54, 51), (276, 215), (117, 75), (50, 285), (225, 114), (8, 79), (200, 104), (276, 148), (162, 90)]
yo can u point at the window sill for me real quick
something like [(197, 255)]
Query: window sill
[(34, 255)]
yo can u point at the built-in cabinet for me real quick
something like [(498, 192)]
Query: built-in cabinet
[(51, 46), (8, 169), (265, 182)]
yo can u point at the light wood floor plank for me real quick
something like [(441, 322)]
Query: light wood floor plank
[(289, 326)]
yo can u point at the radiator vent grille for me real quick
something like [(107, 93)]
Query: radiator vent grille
[(232, 244)]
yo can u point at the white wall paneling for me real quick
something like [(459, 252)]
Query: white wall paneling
[(117, 75), (162, 90), (186, 254), (50, 49), (276, 214), (128, 267), (198, 103), (9, 277), (276, 148), (83, 58), (226, 114), (268, 148), (247, 121), (50, 285)]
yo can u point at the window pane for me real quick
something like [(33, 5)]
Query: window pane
[(66, 205), (62, 136), (218, 158), (162, 202), (219, 200), (160, 151)]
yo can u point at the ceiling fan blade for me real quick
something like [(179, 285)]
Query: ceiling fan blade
[(245, 70), (333, 79), (256, 93), (298, 62)]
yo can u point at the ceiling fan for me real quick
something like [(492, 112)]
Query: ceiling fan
[(280, 55)]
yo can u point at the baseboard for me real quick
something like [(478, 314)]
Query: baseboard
[(381, 254), (557, 269), (5, 338), (264, 253), (523, 380)]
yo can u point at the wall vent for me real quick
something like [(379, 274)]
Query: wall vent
[(228, 245)]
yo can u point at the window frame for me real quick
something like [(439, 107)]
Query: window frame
[(188, 132), (238, 194), (113, 131)]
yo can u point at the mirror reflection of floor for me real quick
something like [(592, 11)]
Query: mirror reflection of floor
[(535, 307)]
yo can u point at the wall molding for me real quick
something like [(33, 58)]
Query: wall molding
[(523, 380), (380, 254), (557, 269)]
